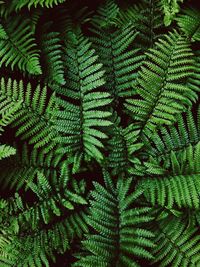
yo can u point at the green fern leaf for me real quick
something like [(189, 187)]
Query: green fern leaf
[(120, 235), (189, 23), (178, 245), (161, 85), (6, 151), (181, 187), (34, 115), (18, 46), (80, 126)]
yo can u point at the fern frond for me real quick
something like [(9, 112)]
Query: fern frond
[(34, 118), (146, 17), (121, 64), (6, 151), (106, 14), (52, 58), (175, 138), (53, 200), (29, 3), (7, 111), (18, 46), (161, 84), (189, 22), (81, 126), (120, 236), (26, 165), (122, 148), (177, 244), (181, 187), (37, 248)]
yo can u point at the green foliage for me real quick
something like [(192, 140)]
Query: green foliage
[(165, 73), (179, 247), (146, 17), (33, 115), (26, 165), (99, 133), (50, 202), (189, 23), (112, 45), (6, 151), (52, 52), (77, 124), (119, 235), (18, 4), (170, 8), (181, 185), (18, 46)]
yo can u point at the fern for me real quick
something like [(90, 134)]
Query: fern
[(112, 47), (146, 17), (53, 63), (29, 246), (44, 3), (189, 23), (28, 119), (35, 249), (51, 203), (181, 186), (8, 110), (18, 46), (77, 123), (119, 232), (175, 139), (177, 244), (26, 165), (99, 133), (106, 14), (6, 151), (170, 8), (123, 146), (164, 72)]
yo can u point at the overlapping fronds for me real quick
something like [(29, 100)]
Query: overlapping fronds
[(162, 84), (189, 23), (177, 244), (35, 111), (119, 236), (18, 46), (99, 133)]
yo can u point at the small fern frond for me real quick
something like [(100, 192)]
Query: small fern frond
[(176, 138), (37, 248), (146, 17), (177, 244), (29, 3), (121, 65), (122, 148), (6, 151), (25, 166), (18, 46), (8, 110), (33, 117), (189, 22), (53, 64), (53, 201), (106, 14)]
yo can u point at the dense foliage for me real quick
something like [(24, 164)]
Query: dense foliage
[(100, 133)]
